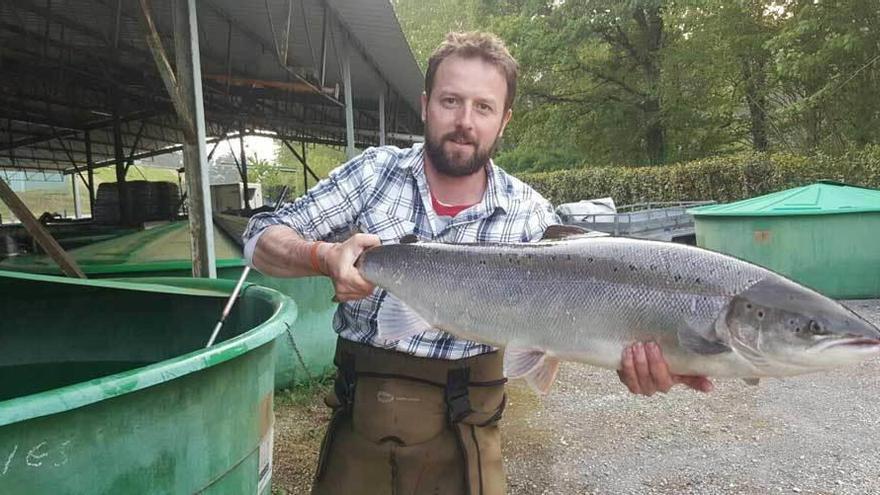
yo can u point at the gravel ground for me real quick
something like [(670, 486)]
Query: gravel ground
[(815, 434)]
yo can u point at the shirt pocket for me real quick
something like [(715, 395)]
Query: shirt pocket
[(390, 228)]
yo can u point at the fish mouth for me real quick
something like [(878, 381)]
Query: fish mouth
[(860, 343)]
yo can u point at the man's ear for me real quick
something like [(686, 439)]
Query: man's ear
[(507, 115), (424, 100)]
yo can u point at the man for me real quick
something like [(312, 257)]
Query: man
[(420, 415)]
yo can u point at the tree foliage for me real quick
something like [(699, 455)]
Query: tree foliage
[(658, 81)]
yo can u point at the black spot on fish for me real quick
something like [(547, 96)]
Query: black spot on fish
[(698, 281), (678, 278), (632, 268), (590, 260)]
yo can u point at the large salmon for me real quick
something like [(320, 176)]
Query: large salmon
[(586, 298)]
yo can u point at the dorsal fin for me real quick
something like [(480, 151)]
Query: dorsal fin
[(559, 232), (409, 239)]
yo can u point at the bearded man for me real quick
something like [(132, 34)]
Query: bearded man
[(420, 415)]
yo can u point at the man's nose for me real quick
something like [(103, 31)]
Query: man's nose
[(465, 117)]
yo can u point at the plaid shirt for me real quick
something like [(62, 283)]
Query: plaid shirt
[(384, 192)]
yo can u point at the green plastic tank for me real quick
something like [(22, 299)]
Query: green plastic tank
[(106, 387), (164, 251), (824, 235)]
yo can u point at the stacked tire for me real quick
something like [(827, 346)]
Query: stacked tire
[(147, 201)]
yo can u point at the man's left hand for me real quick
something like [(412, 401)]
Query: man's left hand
[(644, 372)]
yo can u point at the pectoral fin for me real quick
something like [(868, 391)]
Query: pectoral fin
[(396, 321), (534, 365), (701, 343)]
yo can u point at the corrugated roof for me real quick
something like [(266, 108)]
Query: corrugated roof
[(63, 61), (822, 198)]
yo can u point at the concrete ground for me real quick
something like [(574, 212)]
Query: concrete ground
[(815, 434)]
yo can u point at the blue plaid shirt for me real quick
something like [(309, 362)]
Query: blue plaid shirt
[(384, 192)]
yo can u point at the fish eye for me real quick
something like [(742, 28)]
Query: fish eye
[(760, 314), (816, 328)]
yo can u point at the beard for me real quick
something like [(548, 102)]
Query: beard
[(454, 164)]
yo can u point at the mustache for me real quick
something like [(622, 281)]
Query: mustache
[(458, 135)]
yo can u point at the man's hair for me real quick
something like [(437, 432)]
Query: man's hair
[(473, 44)]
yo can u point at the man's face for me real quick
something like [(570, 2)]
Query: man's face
[(464, 116)]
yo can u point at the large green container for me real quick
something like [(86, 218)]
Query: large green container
[(825, 235), (106, 388), (164, 251)]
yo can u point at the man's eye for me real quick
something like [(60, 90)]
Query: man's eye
[(448, 100), (483, 107)]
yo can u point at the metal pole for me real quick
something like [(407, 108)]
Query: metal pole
[(77, 213), (121, 186), (90, 164), (243, 169), (324, 35), (349, 104), (189, 78), (244, 273), (382, 118)]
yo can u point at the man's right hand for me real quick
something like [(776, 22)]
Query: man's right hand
[(338, 262)]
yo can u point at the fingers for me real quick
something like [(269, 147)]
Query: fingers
[(698, 383), (347, 280), (627, 372), (659, 369), (644, 371)]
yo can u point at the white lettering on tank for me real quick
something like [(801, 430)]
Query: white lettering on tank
[(9, 460), (33, 458)]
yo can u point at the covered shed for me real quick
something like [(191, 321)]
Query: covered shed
[(823, 235), (95, 83)]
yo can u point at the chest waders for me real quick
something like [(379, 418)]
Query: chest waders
[(405, 425)]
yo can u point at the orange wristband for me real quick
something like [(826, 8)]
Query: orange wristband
[(313, 257)]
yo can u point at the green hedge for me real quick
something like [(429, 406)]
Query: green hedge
[(723, 179)]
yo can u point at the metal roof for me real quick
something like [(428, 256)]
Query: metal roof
[(68, 67), (821, 198)]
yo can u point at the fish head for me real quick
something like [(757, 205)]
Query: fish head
[(780, 324)]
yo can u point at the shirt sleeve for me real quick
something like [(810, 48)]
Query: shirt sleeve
[(328, 210)]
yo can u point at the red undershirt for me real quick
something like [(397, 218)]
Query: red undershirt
[(447, 210)]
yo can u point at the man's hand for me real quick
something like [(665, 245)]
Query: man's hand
[(338, 261), (644, 372)]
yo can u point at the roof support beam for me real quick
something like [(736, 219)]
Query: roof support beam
[(186, 44), (381, 118), (349, 114), (243, 169)]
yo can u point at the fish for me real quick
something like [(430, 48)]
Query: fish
[(576, 296)]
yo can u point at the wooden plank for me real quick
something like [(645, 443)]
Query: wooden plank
[(38, 232)]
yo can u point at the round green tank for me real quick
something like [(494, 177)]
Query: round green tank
[(164, 251), (824, 236), (106, 387)]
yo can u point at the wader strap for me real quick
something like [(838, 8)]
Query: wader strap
[(347, 381), (458, 407), (458, 403)]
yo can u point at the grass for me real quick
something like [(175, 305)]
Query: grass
[(304, 393)]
